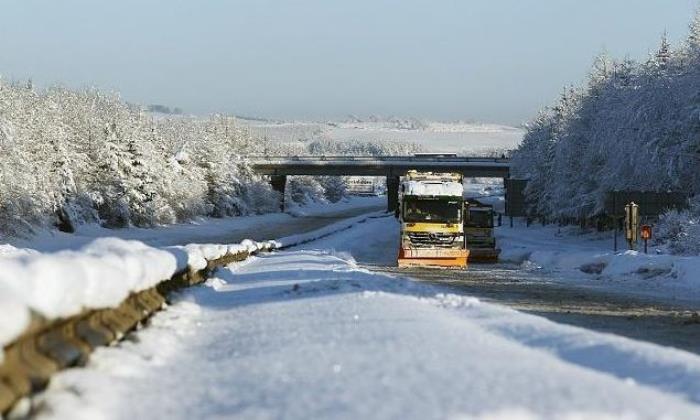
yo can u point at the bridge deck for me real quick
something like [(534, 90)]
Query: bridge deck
[(379, 165)]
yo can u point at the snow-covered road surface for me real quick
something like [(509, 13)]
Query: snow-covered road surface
[(668, 324), (633, 307), (309, 334)]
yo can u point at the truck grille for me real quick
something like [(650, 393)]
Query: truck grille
[(439, 240)]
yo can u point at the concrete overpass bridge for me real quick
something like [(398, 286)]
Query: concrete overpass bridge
[(391, 167)]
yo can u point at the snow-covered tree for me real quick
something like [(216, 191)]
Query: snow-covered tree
[(631, 127), (69, 157), (304, 190), (692, 43), (335, 188), (662, 58)]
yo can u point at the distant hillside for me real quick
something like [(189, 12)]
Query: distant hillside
[(457, 137)]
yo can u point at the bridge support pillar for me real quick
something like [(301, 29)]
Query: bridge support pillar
[(392, 193), (279, 182)]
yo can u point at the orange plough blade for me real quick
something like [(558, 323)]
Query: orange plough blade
[(445, 258)]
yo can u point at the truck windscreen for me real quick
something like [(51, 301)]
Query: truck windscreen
[(480, 219), (445, 211)]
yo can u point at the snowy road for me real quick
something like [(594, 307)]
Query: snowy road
[(602, 306), (642, 318), (310, 334)]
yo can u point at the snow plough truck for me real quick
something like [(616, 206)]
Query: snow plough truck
[(431, 212), (478, 232)]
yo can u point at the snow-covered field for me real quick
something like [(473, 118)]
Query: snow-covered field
[(457, 137), (308, 333)]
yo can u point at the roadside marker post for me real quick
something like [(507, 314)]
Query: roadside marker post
[(646, 235), (631, 224)]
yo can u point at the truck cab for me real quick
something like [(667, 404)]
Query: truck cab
[(431, 213), (478, 232)]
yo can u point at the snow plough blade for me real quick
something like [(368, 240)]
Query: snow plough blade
[(447, 258)]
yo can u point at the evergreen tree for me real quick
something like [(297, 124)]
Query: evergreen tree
[(661, 60), (693, 41)]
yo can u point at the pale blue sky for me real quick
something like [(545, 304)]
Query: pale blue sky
[(492, 60)]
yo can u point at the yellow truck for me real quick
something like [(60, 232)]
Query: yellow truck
[(431, 210)]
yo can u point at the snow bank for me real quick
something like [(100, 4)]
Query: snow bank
[(11, 326), (588, 258), (607, 264), (99, 275), (199, 254), (7, 250), (104, 272)]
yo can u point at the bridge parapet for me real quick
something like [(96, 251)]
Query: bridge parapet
[(392, 158), (379, 165)]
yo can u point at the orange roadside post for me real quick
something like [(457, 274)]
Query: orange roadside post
[(646, 235)]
